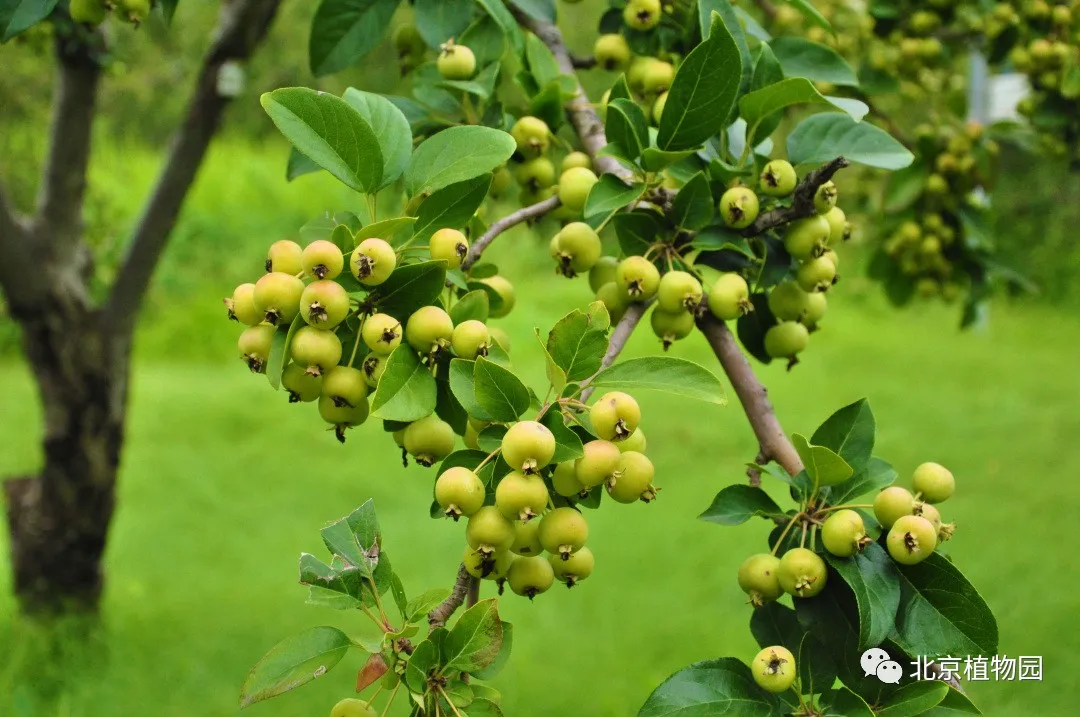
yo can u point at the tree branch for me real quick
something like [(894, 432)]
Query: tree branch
[(752, 395), (463, 585), (509, 221), (619, 336), (802, 200), (17, 275), (243, 25)]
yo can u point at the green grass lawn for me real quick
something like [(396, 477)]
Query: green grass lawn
[(224, 484)]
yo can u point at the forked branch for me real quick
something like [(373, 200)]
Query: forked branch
[(802, 200), (533, 211)]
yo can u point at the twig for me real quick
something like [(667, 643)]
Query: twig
[(442, 612), (619, 336), (243, 25), (508, 222), (802, 201), (752, 395)]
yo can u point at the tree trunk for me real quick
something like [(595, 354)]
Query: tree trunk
[(59, 520)]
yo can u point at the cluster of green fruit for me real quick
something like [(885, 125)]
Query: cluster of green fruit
[(95, 12), (911, 526), (531, 509), (534, 171), (301, 295)]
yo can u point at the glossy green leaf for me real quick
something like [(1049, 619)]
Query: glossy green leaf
[(802, 58), (299, 165), (693, 208), (406, 390), (608, 196), (713, 687), (823, 137), (914, 699), (872, 576), (462, 384), (410, 287), (675, 376), (385, 229), (543, 10), (439, 20), (653, 159), (476, 638), (625, 125), (738, 503), (344, 31), (812, 14), (955, 704), (485, 38), (294, 662), (845, 703), (576, 346), (758, 105), (850, 433), (422, 661), (499, 392), (876, 475), (501, 15), (19, 15), (391, 129), (455, 155), (568, 446), (452, 206), (472, 306), (823, 465), (418, 608), (637, 231)]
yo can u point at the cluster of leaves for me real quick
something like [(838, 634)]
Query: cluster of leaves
[(915, 613)]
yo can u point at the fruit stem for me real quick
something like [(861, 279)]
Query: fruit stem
[(378, 603), (802, 539), (787, 528), (813, 535), (489, 457), (470, 117), (356, 345), (386, 709)]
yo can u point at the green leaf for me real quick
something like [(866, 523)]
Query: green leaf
[(802, 58), (577, 347), (955, 704), (730, 18), (483, 85), (463, 387), (871, 574), (422, 661), (675, 376), (385, 229), (454, 155), (328, 587), (543, 10), (941, 613), (845, 703), (483, 708), (407, 390), (767, 71), (472, 306), (693, 208), (713, 687), (344, 31), (491, 438), (498, 12), (499, 392), (568, 445), (850, 433), (636, 231), (542, 64), (391, 129), (293, 662), (914, 699), (876, 475), (812, 14), (626, 126), (439, 20), (329, 132), (738, 503), (354, 538), (418, 608), (823, 465), (410, 287), (485, 38), (653, 159), (608, 196), (756, 106), (299, 165), (452, 206), (475, 641), (496, 666), (703, 91), (828, 135), (777, 624), (904, 187), (19, 15)]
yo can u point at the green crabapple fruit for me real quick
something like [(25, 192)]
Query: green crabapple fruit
[(488, 531), (638, 278), (353, 707), (635, 442), (429, 440), (456, 62), (671, 326), (615, 416), (598, 461), (656, 78), (88, 12), (535, 174), (612, 52), (739, 207), (805, 238), (838, 226), (575, 184), (802, 573), (301, 385), (470, 339), (528, 446), (911, 539), (632, 479), (778, 178), (241, 306), (730, 297), (678, 290), (505, 291), (429, 329), (134, 11), (642, 14), (564, 480), (816, 274), (578, 248), (277, 297), (576, 159), (459, 492), (934, 482), (521, 497), (254, 345), (530, 576), (342, 416), (774, 669), (786, 340), (324, 304), (373, 367), (575, 568), (892, 504), (381, 333), (322, 259), (614, 299), (408, 41), (449, 245), (563, 532), (499, 336), (318, 351), (471, 437), (532, 136), (527, 538), (488, 566), (844, 533), (788, 301), (345, 386), (286, 257), (658, 107), (825, 197), (759, 578), (372, 261)]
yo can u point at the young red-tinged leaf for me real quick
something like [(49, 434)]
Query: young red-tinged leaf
[(373, 669)]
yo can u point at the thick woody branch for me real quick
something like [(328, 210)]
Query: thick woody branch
[(510, 221), (463, 586), (243, 25), (16, 257), (802, 200), (752, 395)]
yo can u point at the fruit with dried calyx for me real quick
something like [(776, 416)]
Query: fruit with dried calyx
[(381, 333), (678, 290), (254, 345), (531, 135), (612, 52), (786, 340), (577, 248), (372, 261), (429, 330), (730, 297), (638, 278), (671, 326), (774, 669), (893, 503), (449, 245), (530, 576), (574, 569), (807, 238), (301, 386), (277, 297), (802, 573), (286, 257), (739, 207), (521, 497), (456, 62), (459, 491), (615, 415), (345, 386), (318, 351), (844, 533), (563, 532), (528, 446), (759, 578), (241, 306), (642, 14), (575, 184), (470, 339), (429, 440), (598, 461), (488, 531), (778, 178), (324, 304), (322, 259), (353, 707), (933, 482), (632, 479), (527, 538), (911, 539)]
